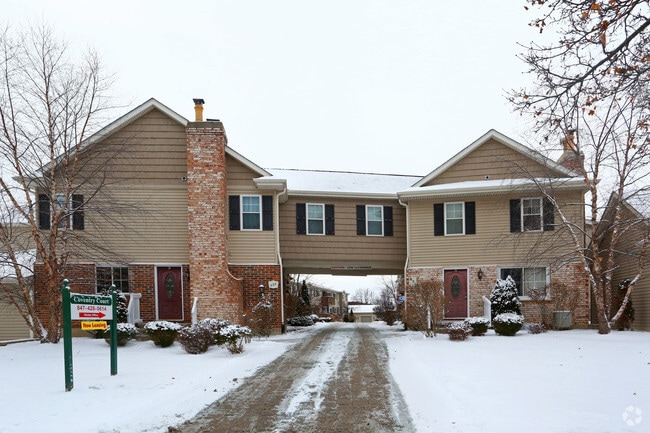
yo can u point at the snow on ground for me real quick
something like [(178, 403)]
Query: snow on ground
[(570, 381)]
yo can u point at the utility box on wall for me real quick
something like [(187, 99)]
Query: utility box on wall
[(562, 319)]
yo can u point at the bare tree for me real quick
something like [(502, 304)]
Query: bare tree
[(425, 306), (48, 107), (592, 69), (365, 296), (386, 307)]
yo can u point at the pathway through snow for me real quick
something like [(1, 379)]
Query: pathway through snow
[(337, 380)]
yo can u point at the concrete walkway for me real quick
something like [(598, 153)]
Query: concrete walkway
[(336, 380)]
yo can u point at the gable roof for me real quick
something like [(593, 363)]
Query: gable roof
[(507, 141), (153, 104), (130, 117)]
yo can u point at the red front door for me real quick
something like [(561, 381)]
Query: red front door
[(456, 293), (169, 293)]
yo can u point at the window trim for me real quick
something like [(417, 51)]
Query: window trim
[(540, 215), (462, 219), (322, 219), (520, 287), (381, 220), (242, 212)]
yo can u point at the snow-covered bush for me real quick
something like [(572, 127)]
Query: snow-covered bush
[(504, 297), (162, 332), (479, 325), (235, 337), (508, 323), (536, 328), (195, 339), (300, 321), (125, 332), (459, 331), (263, 317), (214, 326)]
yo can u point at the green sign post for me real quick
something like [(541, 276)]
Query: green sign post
[(67, 336), (77, 306), (114, 332)]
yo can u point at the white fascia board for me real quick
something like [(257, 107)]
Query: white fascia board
[(496, 135), (488, 188), (336, 194), (246, 162)]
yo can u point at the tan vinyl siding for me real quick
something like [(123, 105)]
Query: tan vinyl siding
[(492, 159), (627, 262), (492, 244), (318, 253), (238, 175), (152, 228), (151, 150), (251, 247), (12, 325)]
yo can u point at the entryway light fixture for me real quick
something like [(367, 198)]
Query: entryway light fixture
[(480, 274), (261, 288)]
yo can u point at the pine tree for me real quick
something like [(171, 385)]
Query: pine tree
[(504, 297)]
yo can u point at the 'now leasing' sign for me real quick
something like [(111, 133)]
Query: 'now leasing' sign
[(91, 307)]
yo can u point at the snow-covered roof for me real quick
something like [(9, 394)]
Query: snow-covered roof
[(486, 187), (362, 309), (336, 183)]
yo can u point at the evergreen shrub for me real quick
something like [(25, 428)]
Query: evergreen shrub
[(162, 332), (479, 325), (508, 323)]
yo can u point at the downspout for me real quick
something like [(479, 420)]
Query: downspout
[(282, 194), (408, 250)]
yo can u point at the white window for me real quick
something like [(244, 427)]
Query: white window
[(454, 218), (315, 219), (374, 220), (531, 214), (251, 212), (526, 278)]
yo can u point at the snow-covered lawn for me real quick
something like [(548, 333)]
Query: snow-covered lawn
[(570, 381)]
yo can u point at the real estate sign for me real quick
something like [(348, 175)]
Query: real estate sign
[(91, 307)]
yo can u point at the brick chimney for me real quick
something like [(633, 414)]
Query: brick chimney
[(572, 157), (219, 294)]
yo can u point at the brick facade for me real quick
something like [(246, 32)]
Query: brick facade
[(572, 274), (252, 276)]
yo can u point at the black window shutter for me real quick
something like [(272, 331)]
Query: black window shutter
[(329, 219), (388, 221), (549, 215), (233, 212), (43, 212), (361, 219), (438, 219), (470, 218), (301, 219), (267, 212), (77, 212), (515, 216)]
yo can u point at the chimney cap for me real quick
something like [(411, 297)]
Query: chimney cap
[(198, 101)]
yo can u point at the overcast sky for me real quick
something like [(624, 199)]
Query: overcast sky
[(379, 86)]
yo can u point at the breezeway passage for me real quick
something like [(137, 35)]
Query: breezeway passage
[(337, 380)]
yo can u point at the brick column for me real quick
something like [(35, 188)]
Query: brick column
[(220, 294)]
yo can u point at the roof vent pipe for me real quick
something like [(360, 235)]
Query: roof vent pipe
[(198, 109)]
